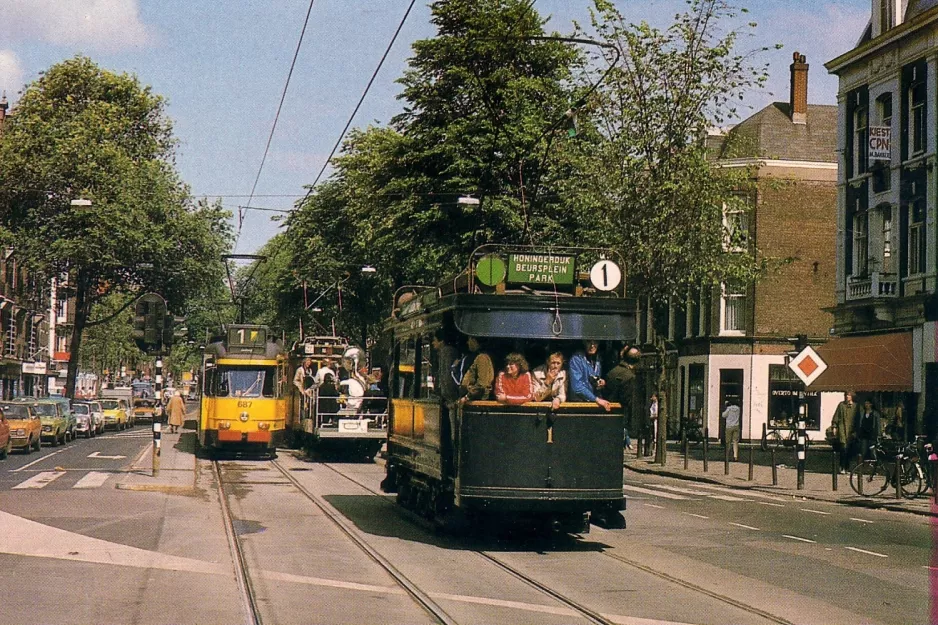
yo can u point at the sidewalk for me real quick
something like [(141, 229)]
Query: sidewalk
[(178, 466), (817, 485)]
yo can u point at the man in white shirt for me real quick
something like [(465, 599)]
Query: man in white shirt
[(731, 414), (325, 370)]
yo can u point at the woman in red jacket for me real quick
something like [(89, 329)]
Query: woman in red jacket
[(514, 385)]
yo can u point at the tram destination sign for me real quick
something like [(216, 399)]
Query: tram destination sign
[(540, 269)]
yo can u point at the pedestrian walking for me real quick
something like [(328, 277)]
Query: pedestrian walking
[(841, 436), (177, 412), (867, 429), (731, 417)]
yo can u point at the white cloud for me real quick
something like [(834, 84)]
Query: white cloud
[(11, 73), (101, 24)]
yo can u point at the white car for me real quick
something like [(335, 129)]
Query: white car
[(97, 414)]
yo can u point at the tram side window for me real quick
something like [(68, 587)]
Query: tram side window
[(428, 385), (406, 369)]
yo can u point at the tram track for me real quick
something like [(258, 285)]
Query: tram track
[(587, 613)]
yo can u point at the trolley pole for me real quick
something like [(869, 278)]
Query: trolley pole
[(157, 421), (802, 417)]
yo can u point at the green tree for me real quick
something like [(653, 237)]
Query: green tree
[(83, 132), (652, 169)]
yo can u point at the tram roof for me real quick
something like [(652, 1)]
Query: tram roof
[(527, 316)]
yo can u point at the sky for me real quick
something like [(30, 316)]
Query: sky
[(222, 66)]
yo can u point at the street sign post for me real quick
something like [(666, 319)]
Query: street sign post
[(808, 366)]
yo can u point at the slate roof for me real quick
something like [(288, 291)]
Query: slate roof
[(916, 7), (770, 133)]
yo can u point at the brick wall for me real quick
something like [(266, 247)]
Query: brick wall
[(796, 219)]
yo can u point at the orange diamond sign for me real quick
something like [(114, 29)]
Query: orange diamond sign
[(807, 365)]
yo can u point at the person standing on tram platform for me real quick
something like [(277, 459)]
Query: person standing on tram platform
[(586, 371), (477, 382)]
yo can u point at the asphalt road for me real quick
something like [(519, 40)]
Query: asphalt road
[(75, 549)]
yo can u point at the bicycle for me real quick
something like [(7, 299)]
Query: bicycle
[(872, 477), (774, 439)]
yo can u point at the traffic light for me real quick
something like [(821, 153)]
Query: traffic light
[(149, 320)]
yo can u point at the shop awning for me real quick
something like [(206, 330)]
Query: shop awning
[(879, 362)]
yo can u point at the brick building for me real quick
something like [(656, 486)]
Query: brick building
[(886, 293), (731, 341)]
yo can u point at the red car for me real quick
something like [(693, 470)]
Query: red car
[(6, 443)]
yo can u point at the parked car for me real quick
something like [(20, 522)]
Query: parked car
[(97, 413), (54, 423), (25, 426), (84, 419), (116, 414), (65, 406), (6, 443)]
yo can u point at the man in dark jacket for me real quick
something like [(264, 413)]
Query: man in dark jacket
[(619, 383), (866, 428)]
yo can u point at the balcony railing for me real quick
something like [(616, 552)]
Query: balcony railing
[(873, 286)]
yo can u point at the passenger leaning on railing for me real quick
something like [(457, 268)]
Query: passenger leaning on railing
[(477, 382), (550, 381), (515, 384)]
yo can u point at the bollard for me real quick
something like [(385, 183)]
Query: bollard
[(685, 446), (774, 469), (156, 447), (800, 446), (726, 456), (898, 476), (750, 460), (706, 447), (835, 466), (764, 434), (639, 442)]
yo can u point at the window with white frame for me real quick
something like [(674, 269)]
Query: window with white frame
[(861, 131), (733, 308), (889, 265), (917, 117), (917, 243), (735, 225), (861, 243)]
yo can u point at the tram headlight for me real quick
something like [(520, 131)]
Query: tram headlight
[(244, 417), (224, 425), (263, 425)]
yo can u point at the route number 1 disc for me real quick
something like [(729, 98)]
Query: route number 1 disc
[(605, 275)]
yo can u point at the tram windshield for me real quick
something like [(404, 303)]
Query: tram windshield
[(230, 381)]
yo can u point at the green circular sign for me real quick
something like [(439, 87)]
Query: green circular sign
[(490, 270)]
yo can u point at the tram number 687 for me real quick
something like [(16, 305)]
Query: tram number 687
[(244, 404)]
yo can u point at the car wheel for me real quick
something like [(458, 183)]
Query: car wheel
[(37, 444), (55, 440)]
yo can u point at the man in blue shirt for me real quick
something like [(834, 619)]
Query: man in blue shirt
[(586, 372)]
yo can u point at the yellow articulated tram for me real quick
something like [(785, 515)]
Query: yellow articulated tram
[(245, 391), (460, 461)]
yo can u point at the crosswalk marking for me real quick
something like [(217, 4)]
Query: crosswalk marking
[(40, 480), (748, 493), (93, 479), (699, 493), (656, 493)]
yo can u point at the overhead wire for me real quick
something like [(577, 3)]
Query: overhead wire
[(273, 127), (371, 81)]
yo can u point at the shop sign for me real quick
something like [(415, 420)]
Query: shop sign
[(34, 368), (880, 143), (540, 269)]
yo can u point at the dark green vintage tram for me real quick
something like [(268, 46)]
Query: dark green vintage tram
[(481, 458)]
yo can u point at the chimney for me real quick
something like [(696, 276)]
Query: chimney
[(798, 102)]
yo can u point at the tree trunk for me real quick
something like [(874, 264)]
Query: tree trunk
[(81, 318)]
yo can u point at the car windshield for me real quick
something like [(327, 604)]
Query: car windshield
[(81, 409), (45, 410), (110, 404), (13, 411)]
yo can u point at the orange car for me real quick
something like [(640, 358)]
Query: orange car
[(25, 426), (6, 445)]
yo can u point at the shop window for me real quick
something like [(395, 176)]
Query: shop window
[(784, 387), (696, 412)]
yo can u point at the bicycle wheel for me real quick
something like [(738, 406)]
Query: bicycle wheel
[(869, 478), (775, 440), (913, 483)]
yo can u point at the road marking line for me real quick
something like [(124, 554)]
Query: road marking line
[(651, 505), (699, 516), (736, 491), (93, 479), (814, 511), (678, 489), (656, 493), (869, 553), (804, 540), (36, 461), (40, 480), (728, 498), (769, 503), (748, 527), (860, 520)]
